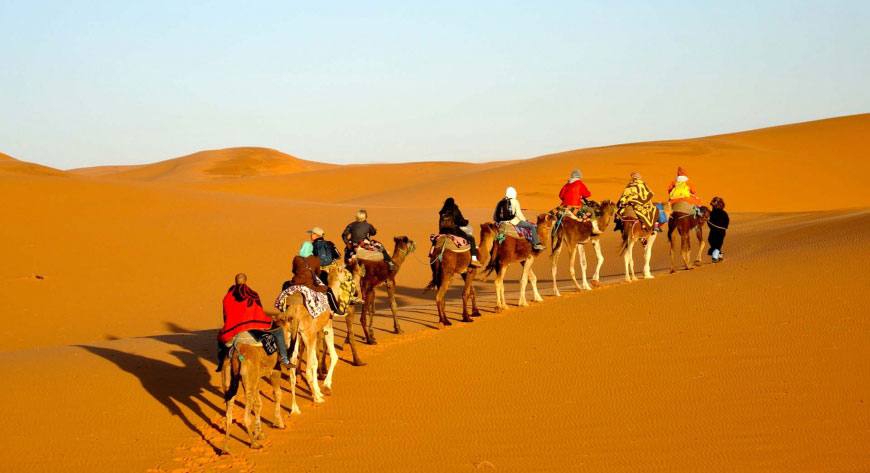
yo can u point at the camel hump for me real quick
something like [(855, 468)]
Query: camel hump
[(452, 243)]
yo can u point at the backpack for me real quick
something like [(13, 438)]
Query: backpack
[(324, 250), (503, 211)]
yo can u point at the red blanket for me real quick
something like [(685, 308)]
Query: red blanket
[(242, 311)]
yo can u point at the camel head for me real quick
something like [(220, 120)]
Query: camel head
[(545, 224), (404, 246), (704, 214), (608, 210)]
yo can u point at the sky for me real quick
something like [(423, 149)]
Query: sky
[(87, 83)]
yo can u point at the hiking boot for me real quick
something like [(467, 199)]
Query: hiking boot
[(538, 247), (286, 363), (474, 262), (391, 266)]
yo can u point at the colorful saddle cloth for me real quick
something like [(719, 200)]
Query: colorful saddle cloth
[(507, 229), (315, 302), (370, 250)]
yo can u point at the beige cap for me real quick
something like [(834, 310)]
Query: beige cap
[(316, 231)]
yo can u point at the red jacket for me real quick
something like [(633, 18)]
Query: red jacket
[(242, 311), (573, 193)]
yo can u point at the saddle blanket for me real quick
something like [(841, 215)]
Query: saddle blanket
[(683, 207), (448, 242), (507, 229), (583, 214), (370, 250), (315, 302)]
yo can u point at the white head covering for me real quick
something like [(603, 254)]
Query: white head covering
[(682, 178), (510, 193)]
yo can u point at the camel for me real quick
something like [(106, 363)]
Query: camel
[(511, 250), (574, 234), (373, 274), (445, 265), (685, 221), (248, 362), (632, 231)]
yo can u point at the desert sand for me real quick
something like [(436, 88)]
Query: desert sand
[(113, 276)]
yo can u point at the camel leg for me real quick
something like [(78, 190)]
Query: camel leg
[(554, 263), (329, 337), (686, 242), (701, 245), (671, 243), (533, 278), (368, 315), (226, 378), (311, 370), (648, 256), (275, 377), (571, 270), (258, 408), (599, 260), (468, 297), (391, 295), (470, 276), (500, 302), (348, 320), (441, 303), (249, 381), (294, 407), (626, 257), (524, 281), (582, 249)]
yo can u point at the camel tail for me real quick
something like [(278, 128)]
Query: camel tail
[(235, 378), (494, 263)]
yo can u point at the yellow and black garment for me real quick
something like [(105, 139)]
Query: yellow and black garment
[(638, 197)]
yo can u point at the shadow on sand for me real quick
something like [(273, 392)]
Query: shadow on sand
[(178, 387)]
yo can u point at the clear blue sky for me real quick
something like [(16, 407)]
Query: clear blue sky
[(88, 83)]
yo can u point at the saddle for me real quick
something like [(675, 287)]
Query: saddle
[(256, 338), (370, 250), (446, 242), (507, 229), (683, 207)]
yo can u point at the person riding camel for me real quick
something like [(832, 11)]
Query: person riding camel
[(324, 249), (508, 210), (243, 312), (452, 222), (638, 197), (574, 195), (681, 191), (359, 233)]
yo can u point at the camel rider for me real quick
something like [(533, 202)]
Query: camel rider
[(359, 232), (324, 249), (243, 311), (638, 197), (574, 195), (681, 190), (452, 222), (509, 210)]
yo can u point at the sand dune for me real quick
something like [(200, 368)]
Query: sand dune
[(114, 275), (212, 164)]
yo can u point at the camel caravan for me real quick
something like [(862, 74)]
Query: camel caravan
[(326, 285)]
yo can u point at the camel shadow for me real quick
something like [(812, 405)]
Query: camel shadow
[(180, 388)]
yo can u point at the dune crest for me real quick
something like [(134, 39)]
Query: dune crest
[(210, 164), (15, 167)]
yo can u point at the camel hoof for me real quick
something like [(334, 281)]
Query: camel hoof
[(446, 323), (398, 331), (523, 304), (586, 288), (648, 276), (359, 363), (261, 435), (327, 390), (476, 313), (467, 319), (319, 400), (280, 426), (596, 283), (372, 341), (256, 446), (295, 410), (557, 294), (673, 271)]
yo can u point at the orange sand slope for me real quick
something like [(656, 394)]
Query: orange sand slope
[(112, 281), (761, 369)]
